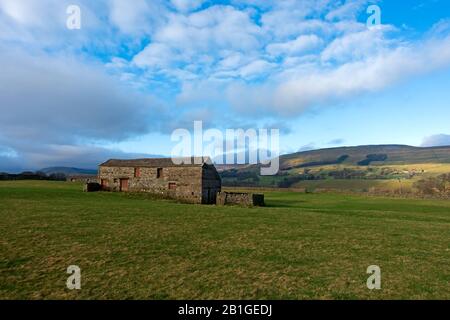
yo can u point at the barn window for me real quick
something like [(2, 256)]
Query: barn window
[(172, 186), (137, 172), (159, 173)]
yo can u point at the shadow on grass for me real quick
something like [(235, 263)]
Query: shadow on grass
[(282, 203)]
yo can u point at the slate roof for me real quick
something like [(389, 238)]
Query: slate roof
[(158, 162)]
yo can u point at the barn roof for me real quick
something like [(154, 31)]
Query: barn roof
[(158, 162)]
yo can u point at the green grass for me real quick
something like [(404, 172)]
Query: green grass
[(358, 185), (301, 246)]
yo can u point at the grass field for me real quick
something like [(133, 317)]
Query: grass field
[(301, 246), (356, 185)]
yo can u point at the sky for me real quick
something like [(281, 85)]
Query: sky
[(135, 71)]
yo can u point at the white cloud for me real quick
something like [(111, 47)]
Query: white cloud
[(292, 92), (294, 47), (357, 45), (33, 13), (232, 60), (155, 55), (187, 5), (256, 68), (215, 28), (348, 10), (209, 41), (138, 16), (370, 74), (290, 18), (436, 140), (31, 20)]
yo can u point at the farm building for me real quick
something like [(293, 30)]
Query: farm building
[(194, 181)]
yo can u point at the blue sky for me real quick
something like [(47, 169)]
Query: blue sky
[(137, 70)]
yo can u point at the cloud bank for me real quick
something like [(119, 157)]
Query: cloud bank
[(437, 140)]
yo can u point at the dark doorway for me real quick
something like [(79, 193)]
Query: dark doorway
[(123, 185)]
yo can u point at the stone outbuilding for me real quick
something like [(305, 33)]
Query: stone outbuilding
[(196, 180), (240, 199)]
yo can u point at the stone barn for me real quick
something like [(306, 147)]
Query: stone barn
[(189, 182)]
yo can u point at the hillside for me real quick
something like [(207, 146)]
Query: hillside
[(355, 168), (361, 155)]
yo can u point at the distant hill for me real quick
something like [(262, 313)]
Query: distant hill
[(347, 156), (69, 171), (357, 156), (367, 155), (345, 166)]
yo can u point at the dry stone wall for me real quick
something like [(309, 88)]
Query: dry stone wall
[(241, 199)]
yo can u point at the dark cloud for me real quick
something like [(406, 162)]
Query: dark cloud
[(41, 156), (61, 100), (54, 108), (51, 106)]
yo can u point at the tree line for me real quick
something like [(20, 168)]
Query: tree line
[(28, 175)]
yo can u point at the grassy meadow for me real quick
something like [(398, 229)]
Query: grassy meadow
[(301, 246)]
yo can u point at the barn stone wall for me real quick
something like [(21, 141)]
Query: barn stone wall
[(241, 199), (84, 179), (185, 181)]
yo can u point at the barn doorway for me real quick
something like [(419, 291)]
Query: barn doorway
[(104, 184), (123, 185)]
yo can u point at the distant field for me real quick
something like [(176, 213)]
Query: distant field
[(376, 169), (401, 182), (302, 246), (387, 185), (357, 185)]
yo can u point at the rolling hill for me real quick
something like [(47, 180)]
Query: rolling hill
[(362, 156), (355, 168), (358, 156)]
